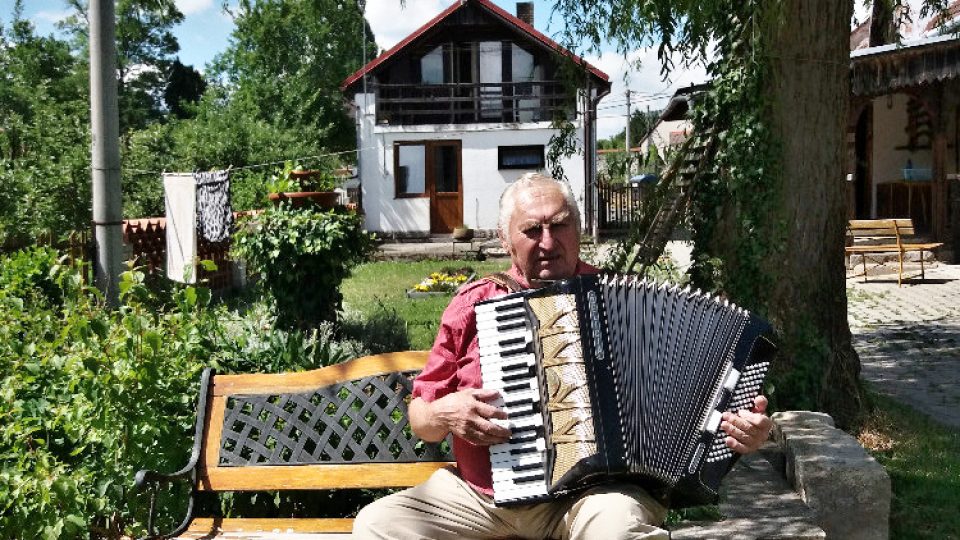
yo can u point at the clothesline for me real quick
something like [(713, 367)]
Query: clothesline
[(145, 172)]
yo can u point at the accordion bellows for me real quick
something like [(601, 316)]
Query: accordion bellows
[(631, 378)]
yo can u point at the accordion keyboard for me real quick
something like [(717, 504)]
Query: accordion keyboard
[(508, 366)]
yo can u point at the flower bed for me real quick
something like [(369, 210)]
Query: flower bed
[(446, 281)]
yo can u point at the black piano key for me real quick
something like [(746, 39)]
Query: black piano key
[(512, 341), (527, 467), (531, 478), (516, 367), (516, 387), (513, 352), (518, 414), (518, 376), (518, 402), (509, 316), (521, 451), (503, 306), (511, 326)]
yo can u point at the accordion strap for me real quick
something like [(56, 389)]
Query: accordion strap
[(504, 280)]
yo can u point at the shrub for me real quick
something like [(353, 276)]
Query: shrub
[(302, 256), (88, 395)]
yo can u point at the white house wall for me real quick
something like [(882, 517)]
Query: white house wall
[(890, 139), (660, 136), (482, 181)]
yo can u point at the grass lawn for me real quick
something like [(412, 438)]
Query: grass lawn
[(383, 285), (922, 458)]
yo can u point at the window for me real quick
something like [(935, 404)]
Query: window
[(520, 157), (410, 170), (422, 169)]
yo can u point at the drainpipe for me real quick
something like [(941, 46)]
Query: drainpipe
[(591, 195)]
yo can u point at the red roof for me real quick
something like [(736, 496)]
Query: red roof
[(489, 6)]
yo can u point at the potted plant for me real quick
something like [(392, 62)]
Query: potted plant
[(462, 233), (303, 187)]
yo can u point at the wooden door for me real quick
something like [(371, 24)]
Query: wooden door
[(445, 186)]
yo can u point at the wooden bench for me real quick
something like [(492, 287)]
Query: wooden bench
[(345, 426), (872, 238), (342, 426)]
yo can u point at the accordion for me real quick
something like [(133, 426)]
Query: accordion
[(615, 378)]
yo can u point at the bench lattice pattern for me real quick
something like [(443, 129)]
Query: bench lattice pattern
[(361, 421)]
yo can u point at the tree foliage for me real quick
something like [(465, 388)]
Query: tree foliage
[(641, 123), (289, 57), (44, 146), (146, 49)]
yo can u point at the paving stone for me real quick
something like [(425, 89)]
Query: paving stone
[(908, 339)]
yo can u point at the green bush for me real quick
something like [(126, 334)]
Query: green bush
[(89, 395), (302, 256)]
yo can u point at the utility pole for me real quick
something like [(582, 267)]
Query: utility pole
[(105, 162), (626, 139)]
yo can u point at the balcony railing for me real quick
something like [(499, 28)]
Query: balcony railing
[(459, 103)]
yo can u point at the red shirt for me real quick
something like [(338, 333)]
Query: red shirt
[(454, 364)]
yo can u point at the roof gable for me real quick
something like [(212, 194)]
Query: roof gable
[(519, 28)]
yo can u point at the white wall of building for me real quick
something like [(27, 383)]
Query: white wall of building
[(890, 139), (482, 181), (660, 136)]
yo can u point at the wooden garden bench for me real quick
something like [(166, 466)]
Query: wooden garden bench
[(873, 238), (342, 426), (346, 426)]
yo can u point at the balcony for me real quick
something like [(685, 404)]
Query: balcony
[(470, 103)]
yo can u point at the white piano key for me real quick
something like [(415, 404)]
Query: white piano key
[(494, 306), (534, 420), (496, 361)]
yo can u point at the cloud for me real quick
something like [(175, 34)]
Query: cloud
[(392, 22), (51, 16), (190, 7)]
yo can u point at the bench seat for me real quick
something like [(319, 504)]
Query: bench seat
[(881, 237), (274, 528)]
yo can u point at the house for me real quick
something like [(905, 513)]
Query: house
[(674, 125), (458, 110), (904, 126)]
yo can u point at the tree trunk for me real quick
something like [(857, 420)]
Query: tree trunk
[(809, 59)]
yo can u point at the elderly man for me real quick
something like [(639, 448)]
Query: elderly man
[(540, 229)]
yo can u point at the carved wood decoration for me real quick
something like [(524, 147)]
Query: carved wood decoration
[(919, 127)]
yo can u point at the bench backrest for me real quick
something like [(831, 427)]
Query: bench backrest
[(342, 426), (880, 228)]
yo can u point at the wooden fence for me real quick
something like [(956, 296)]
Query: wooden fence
[(619, 205)]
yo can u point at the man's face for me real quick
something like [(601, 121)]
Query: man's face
[(542, 237)]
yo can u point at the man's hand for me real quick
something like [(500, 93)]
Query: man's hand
[(747, 430), (465, 413)]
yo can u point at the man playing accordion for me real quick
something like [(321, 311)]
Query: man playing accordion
[(539, 226)]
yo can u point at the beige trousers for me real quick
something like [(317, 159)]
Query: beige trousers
[(447, 507)]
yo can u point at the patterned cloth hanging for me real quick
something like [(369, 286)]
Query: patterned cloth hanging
[(214, 214)]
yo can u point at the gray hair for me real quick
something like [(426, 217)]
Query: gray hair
[(508, 200)]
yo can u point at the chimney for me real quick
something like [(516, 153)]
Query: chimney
[(525, 12)]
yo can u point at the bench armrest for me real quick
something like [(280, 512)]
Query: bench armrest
[(151, 481)]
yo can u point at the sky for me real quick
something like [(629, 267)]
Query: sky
[(206, 31)]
